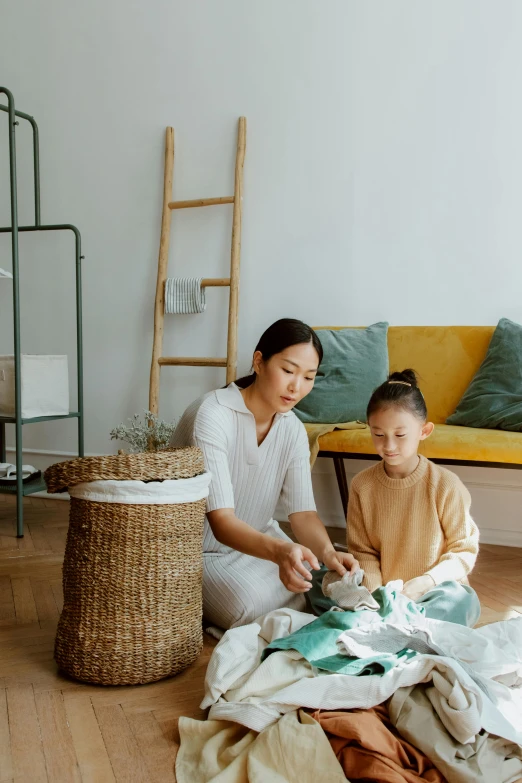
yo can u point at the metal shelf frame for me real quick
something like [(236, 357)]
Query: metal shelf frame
[(14, 229)]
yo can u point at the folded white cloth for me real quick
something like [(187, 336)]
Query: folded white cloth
[(8, 471), (184, 295), (166, 492)]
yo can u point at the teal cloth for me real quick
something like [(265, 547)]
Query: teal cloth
[(317, 641), (452, 602), (355, 362), (493, 400), (449, 601)]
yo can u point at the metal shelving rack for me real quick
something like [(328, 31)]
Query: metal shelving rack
[(38, 485)]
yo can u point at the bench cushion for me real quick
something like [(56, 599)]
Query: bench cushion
[(446, 443), (445, 358)]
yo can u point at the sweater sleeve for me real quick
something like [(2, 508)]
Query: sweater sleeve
[(211, 437), (297, 493), (359, 544), (461, 536)]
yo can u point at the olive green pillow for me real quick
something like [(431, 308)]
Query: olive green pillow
[(355, 362), (493, 400)]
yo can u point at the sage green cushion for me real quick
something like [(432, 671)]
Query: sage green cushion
[(355, 362), (493, 400)]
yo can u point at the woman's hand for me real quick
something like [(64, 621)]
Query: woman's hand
[(340, 562), (292, 571), (416, 588)]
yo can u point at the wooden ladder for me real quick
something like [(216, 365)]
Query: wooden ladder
[(230, 361)]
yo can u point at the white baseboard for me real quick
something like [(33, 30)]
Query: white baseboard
[(49, 453), (489, 535), (496, 498)]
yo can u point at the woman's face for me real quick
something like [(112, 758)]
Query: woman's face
[(286, 377)]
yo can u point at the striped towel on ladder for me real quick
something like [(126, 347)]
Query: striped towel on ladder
[(184, 295)]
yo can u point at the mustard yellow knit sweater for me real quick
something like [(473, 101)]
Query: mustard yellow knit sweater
[(403, 528)]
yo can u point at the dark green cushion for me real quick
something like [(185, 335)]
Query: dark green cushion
[(493, 400), (355, 362)]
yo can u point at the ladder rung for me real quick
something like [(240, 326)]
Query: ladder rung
[(192, 361), (201, 202), (208, 282)]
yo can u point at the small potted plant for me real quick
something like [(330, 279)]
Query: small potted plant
[(151, 434)]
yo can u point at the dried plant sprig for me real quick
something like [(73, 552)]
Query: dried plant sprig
[(152, 434)]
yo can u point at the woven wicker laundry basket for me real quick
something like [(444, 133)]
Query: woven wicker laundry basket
[(132, 572)]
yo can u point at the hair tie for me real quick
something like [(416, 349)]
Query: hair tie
[(402, 383)]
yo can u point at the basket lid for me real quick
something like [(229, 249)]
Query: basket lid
[(144, 466)]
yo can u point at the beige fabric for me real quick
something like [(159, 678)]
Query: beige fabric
[(279, 670), (315, 431), (294, 750), (488, 759), (213, 750), (236, 659), (404, 528), (348, 592)]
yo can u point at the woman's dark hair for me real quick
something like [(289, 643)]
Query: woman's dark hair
[(283, 334), (401, 390)]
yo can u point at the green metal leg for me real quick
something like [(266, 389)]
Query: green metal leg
[(19, 510), (81, 447), (19, 483), (3, 456)]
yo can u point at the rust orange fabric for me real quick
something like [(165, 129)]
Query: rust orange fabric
[(370, 750)]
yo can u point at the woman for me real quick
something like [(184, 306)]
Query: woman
[(257, 451)]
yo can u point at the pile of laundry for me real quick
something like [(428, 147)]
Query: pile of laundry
[(379, 694)]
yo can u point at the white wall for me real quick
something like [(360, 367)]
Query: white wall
[(383, 180)]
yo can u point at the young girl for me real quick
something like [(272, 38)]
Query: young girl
[(408, 518)]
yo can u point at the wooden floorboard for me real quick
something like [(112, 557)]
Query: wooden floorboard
[(55, 729)]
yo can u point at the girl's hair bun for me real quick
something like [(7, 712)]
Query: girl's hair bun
[(401, 390), (406, 376)]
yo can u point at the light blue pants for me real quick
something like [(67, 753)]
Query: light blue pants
[(449, 601), (452, 602)]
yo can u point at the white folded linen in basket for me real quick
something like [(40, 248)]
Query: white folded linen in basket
[(166, 492)]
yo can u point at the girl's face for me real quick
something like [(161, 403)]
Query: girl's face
[(396, 434), (284, 379)]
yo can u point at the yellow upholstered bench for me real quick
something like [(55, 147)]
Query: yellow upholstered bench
[(446, 358)]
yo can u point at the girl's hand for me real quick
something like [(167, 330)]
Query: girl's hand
[(292, 571), (416, 588), (340, 562)]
